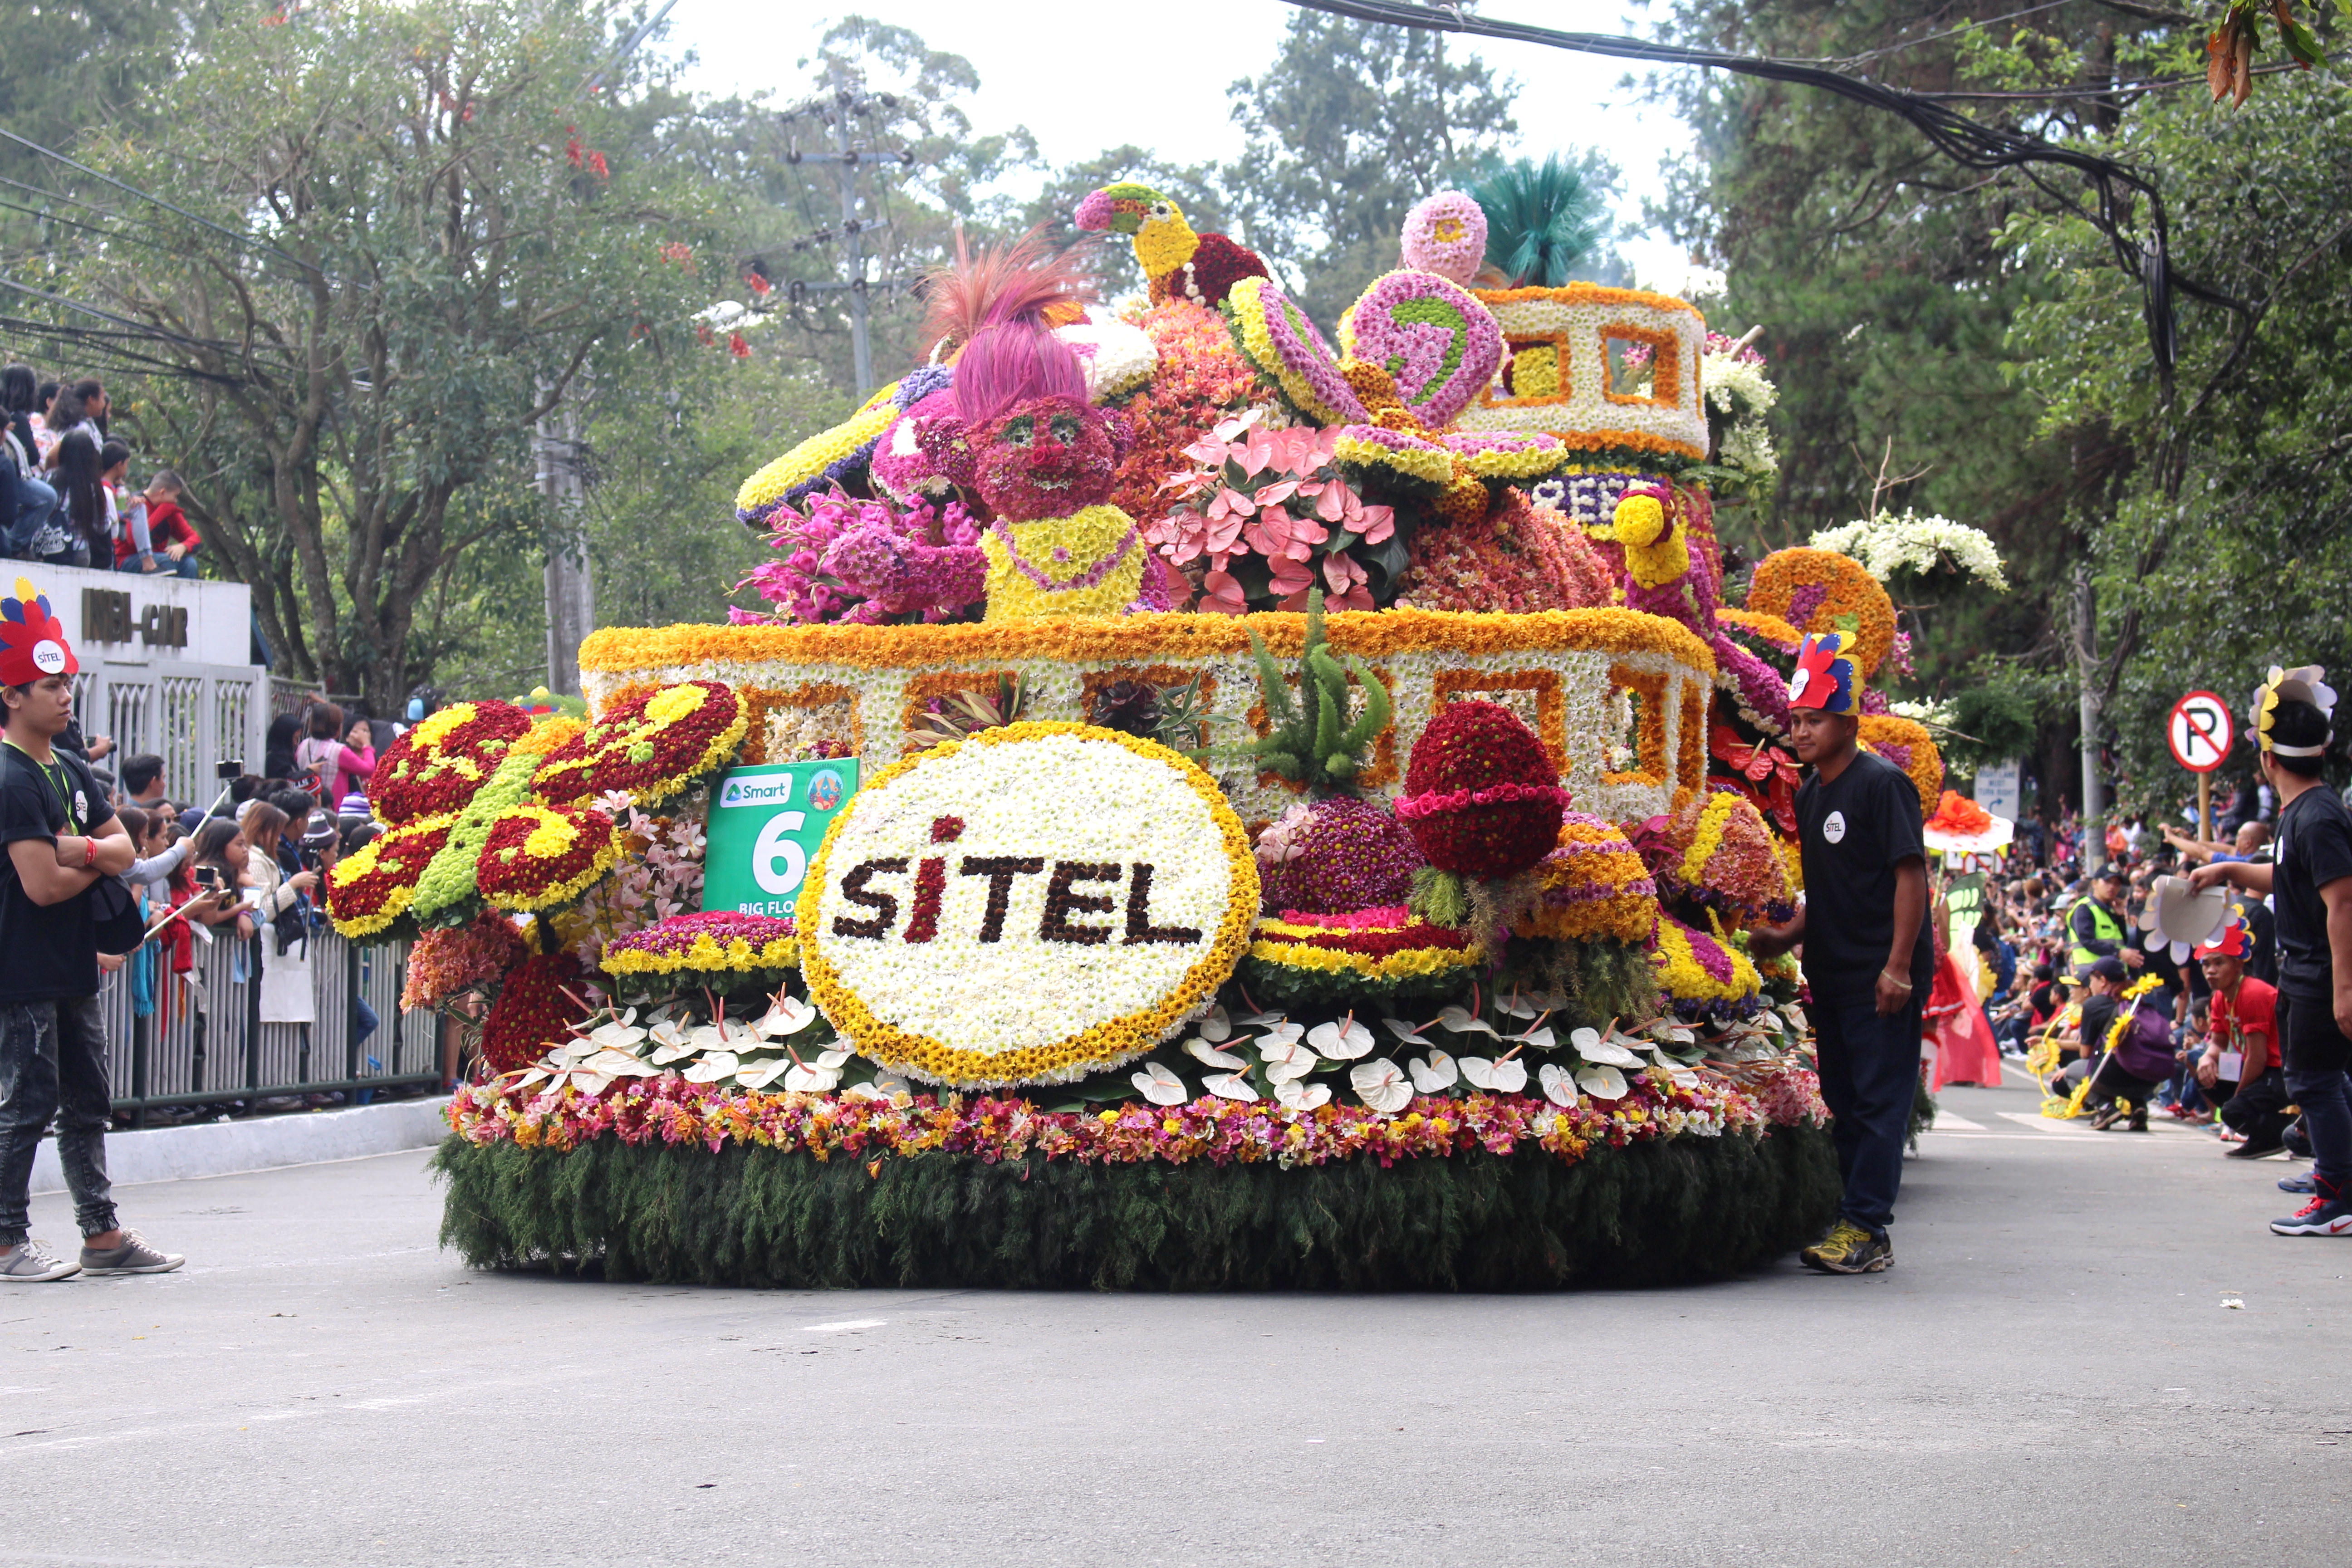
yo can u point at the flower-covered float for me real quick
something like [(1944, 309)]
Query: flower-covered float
[(1232, 805)]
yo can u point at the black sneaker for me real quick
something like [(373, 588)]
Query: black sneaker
[(1848, 1248), (2323, 1216), (2252, 1151)]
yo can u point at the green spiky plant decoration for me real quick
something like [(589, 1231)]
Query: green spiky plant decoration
[(1308, 739), (1544, 222)]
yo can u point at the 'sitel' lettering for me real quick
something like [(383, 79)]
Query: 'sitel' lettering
[(1055, 921)]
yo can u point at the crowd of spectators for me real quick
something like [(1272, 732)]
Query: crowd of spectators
[(67, 495), (2059, 951)]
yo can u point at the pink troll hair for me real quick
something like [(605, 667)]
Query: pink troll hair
[(1010, 363), (1026, 280)]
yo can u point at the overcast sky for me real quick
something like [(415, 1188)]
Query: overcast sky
[(1155, 74)]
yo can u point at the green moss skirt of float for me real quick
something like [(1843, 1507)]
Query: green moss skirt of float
[(1653, 1213)]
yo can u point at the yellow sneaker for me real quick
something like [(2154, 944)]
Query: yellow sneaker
[(1849, 1250)]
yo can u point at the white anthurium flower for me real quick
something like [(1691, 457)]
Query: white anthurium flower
[(1795, 1015), (1434, 1072), (618, 1035), (886, 1087), (707, 1037), (1381, 1084), (833, 1056), (1286, 1060), (532, 1076), (1207, 1055), (1302, 1096), (1507, 1076), (712, 1066), (1231, 1086), (620, 1064), (1408, 1034), (1603, 1082), (1458, 1020), (802, 1079), (1262, 1020), (1682, 1076), (1215, 1026), (1583, 1039), (785, 1016), (1160, 1086), (1609, 1054), (762, 1071), (1516, 1005), (1284, 1034), (1343, 1041), (1559, 1084), (670, 1042), (1541, 1039)]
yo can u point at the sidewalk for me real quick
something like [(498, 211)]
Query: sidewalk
[(256, 1143)]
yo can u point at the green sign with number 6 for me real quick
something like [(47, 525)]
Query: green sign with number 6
[(766, 824)]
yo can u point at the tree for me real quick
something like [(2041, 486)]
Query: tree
[(2227, 550), (423, 237), (1351, 124), (1886, 290)]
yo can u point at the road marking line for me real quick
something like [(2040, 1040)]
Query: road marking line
[(1947, 1123), (844, 1324), (2043, 1124)]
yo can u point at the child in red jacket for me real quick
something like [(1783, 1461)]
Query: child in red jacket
[(165, 529)]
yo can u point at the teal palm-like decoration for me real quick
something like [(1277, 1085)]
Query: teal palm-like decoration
[(1543, 221)]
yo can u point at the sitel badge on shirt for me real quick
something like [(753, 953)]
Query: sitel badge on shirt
[(1833, 827)]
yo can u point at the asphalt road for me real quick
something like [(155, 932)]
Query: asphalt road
[(2052, 1373)]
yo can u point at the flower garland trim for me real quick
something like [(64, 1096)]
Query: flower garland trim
[(1438, 803)]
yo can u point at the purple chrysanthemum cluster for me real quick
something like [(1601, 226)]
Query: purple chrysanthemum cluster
[(869, 563), (1336, 856)]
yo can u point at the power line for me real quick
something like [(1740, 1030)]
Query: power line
[(148, 197), (1964, 140)]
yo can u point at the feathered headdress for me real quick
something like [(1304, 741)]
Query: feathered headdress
[(32, 640), (1825, 677), (1027, 282), (2304, 683)]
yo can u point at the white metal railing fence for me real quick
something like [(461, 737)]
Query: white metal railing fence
[(194, 716), (201, 1038)]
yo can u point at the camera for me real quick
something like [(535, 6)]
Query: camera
[(228, 770), (208, 878)]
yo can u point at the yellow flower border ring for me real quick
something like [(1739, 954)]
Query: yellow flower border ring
[(1097, 1046)]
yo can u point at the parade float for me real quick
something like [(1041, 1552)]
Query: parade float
[(1209, 805)]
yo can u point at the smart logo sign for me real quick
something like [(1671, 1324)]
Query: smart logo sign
[(766, 824)]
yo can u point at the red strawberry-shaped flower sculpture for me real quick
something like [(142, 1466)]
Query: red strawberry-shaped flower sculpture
[(1481, 797)]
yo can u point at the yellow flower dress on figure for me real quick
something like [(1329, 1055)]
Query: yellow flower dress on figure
[(1088, 564)]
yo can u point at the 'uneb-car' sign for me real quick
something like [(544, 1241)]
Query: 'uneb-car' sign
[(766, 824), (1036, 903)]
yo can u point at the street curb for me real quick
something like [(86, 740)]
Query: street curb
[(256, 1143)]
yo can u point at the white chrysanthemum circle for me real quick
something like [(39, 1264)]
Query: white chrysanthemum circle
[(1041, 998)]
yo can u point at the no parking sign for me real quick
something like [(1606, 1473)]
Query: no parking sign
[(2201, 731)]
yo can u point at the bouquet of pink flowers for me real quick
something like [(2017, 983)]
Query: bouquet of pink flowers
[(869, 563), (1270, 513)]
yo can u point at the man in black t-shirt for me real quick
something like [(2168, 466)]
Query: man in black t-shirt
[(2310, 882), (59, 836), (1868, 954)]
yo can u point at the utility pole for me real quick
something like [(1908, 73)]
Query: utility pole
[(2086, 666), (848, 156), (570, 587)]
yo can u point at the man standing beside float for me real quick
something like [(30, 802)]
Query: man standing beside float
[(60, 837), (1868, 954)]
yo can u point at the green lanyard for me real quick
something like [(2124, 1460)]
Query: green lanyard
[(57, 784)]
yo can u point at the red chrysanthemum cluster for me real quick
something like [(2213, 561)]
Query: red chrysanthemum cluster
[(1481, 797), (436, 765), (536, 1009), (649, 748), (538, 856)]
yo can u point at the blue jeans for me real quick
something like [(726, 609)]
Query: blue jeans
[(35, 501), (1870, 1072), (53, 1063), (185, 566), (2316, 1057)]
